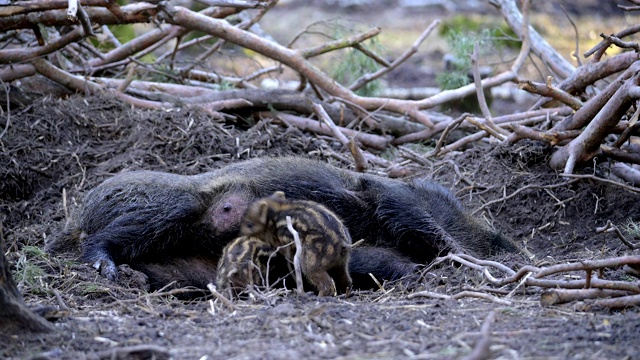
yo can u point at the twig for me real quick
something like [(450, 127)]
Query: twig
[(362, 81), (549, 90), (84, 21), (73, 9), (220, 297), (603, 45), (535, 278), (370, 140), (243, 25), (608, 181), (516, 192), (65, 208), (519, 22), (112, 38), (575, 35), (632, 127), (532, 115), (339, 44), (609, 227), (356, 152), (375, 280), (460, 295), (127, 81), (144, 351), (297, 256), (482, 350), (622, 44), (488, 125), (463, 141), (377, 58), (61, 302)]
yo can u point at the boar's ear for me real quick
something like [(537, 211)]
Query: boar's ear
[(278, 195), (263, 208)]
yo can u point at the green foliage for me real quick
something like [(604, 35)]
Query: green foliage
[(631, 229), (124, 33), (452, 80), (92, 288), (27, 272), (502, 34), (461, 48), (164, 74), (462, 33), (420, 148), (459, 24), (356, 64), (392, 152), (226, 85)]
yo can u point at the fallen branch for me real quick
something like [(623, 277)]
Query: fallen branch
[(140, 12), (562, 296), (627, 173), (219, 296), (551, 91), (551, 137), (11, 56), (460, 295), (615, 303), (370, 140)]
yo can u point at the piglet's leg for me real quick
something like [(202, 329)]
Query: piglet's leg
[(322, 282), (342, 279)]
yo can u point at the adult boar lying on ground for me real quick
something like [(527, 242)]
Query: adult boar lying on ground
[(174, 227)]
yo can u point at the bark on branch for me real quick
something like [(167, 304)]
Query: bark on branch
[(587, 145)]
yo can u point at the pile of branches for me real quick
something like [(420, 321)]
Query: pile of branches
[(576, 113), (594, 290)]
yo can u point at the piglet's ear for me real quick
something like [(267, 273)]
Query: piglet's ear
[(278, 195), (263, 208)]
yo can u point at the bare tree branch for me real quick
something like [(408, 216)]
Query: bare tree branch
[(541, 47)]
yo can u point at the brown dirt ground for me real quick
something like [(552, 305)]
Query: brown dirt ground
[(74, 144)]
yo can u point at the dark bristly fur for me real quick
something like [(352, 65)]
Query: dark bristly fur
[(151, 219), (325, 241)]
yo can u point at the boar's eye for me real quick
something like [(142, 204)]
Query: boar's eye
[(227, 207)]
